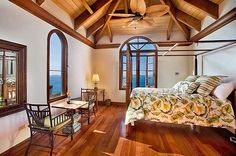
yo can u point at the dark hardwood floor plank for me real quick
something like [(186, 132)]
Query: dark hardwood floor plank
[(105, 136)]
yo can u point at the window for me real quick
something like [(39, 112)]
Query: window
[(12, 77), (144, 62), (57, 66)]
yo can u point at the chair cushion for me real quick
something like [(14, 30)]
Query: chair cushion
[(59, 126), (86, 106)]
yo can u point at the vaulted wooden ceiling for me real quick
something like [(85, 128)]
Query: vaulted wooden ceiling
[(93, 15)]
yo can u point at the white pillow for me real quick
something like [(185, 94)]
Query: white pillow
[(223, 90)]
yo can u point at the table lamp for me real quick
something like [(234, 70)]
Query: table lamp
[(95, 79)]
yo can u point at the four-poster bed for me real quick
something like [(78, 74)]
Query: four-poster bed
[(213, 107)]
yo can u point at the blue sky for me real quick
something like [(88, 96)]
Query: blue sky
[(142, 59), (55, 54)]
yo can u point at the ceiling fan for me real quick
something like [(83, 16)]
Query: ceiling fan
[(141, 13)]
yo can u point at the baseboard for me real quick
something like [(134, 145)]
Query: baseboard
[(103, 103), (118, 103), (112, 103)]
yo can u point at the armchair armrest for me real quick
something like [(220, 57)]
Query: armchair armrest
[(62, 117)]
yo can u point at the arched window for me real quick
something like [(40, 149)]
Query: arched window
[(144, 62), (56, 66)]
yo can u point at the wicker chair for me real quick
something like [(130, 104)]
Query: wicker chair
[(89, 108), (41, 121)]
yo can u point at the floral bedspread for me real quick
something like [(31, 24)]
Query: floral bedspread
[(168, 106)]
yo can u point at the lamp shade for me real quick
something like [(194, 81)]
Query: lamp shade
[(95, 78)]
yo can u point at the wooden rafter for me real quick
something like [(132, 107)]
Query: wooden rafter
[(36, 10), (188, 20), (85, 16), (107, 46), (39, 2), (126, 6), (219, 23), (109, 32), (85, 4), (172, 12), (110, 10), (206, 6), (95, 27), (169, 29)]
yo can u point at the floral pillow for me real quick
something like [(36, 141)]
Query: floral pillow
[(186, 87), (192, 78)]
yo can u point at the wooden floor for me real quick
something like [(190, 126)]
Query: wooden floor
[(106, 136)]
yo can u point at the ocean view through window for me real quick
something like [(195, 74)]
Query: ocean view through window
[(144, 63), (55, 65), (57, 72)]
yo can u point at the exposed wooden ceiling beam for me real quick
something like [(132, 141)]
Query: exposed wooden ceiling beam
[(172, 13), (107, 46), (126, 6), (219, 23), (206, 6), (36, 10), (188, 20), (85, 16), (110, 10), (168, 44), (172, 44), (85, 4), (109, 32), (98, 25), (169, 29), (95, 27), (39, 2)]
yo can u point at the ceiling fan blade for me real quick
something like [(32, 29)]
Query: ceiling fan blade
[(134, 5), (157, 8), (142, 7), (122, 15)]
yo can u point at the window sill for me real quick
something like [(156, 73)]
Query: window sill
[(57, 98), (11, 110)]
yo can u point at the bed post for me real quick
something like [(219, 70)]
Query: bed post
[(128, 81), (128, 74), (195, 65)]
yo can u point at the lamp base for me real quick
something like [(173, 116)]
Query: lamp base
[(95, 88)]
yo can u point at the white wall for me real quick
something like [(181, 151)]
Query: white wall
[(168, 66), (106, 64), (21, 27), (221, 62)]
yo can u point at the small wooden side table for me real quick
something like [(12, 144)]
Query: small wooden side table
[(103, 94)]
